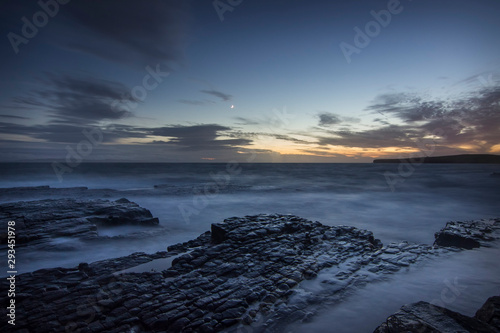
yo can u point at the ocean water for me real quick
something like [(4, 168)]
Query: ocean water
[(394, 201)]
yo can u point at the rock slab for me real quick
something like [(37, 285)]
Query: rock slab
[(40, 221), (246, 271), (468, 235), (423, 317)]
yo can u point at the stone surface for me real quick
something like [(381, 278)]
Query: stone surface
[(468, 235), (424, 317), (39, 222), (490, 312), (252, 271)]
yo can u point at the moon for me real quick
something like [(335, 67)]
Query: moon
[(232, 106)]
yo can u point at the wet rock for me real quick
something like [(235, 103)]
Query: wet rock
[(218, 233), (467, 235), (250, 270), (490, 312), (40, 223), (424, 317)]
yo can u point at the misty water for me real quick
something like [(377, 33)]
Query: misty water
[(396, 204)]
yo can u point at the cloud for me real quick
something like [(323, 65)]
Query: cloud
[(66, 133), (198, 137), (287, 138), (206, 137), (126, 31), (327, 119), (388, 136), (221, 95), (191, 102), (246, 121), (77, 100), (408, 107), (319, 152), (470, 123), (12, 117), (484, 79)]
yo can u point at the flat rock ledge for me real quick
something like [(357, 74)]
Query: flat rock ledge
[(41, 221), (424, 317), (469, 234), (248, 273)]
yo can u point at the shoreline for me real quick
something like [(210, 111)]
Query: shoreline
[(245, 271)]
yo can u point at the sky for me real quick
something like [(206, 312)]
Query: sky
[(248, 81)]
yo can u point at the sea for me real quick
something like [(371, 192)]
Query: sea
[(397, 202)]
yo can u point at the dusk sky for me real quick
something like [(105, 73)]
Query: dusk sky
[(248, 80)]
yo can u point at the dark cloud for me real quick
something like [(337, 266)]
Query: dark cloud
[(471, 121), (408, 107), (127, 31), (198, 137), (78, 100), (221, 95), (207, 137), (389, 136), (11, 128), (50, 133), (65, 133), (327, 119), (288, 138), (382, 121), (12, 117), (246, 121)]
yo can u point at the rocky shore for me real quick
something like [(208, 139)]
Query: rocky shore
[(40, 223), (424, 317), (246, 274)]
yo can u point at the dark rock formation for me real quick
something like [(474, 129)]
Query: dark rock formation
[(490, 312), (247, 271), (39, 222), (467, 235), (424, 317), (465, 158)]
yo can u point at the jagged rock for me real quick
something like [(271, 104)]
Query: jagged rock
[(467, 235), (424, 317), (490, 312), (39, 222), (247, 271), (218, 233)]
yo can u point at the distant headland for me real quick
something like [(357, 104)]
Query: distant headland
[(465, 158)]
